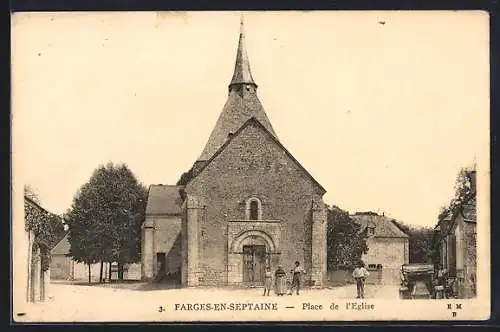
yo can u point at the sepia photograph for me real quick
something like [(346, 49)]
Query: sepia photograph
[(250, 166)]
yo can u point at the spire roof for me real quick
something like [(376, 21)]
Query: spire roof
[(241, 105), (242, 73)]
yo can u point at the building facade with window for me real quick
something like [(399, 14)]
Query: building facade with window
[(388, 247), (247, 203)]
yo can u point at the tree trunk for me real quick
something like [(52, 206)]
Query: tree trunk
[(100, 272), (120, 271), (109, 271), (90, 280)]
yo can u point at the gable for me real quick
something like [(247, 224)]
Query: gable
[(256, 146), (62, 247)]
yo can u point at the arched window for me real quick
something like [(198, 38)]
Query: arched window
[(254, 209)]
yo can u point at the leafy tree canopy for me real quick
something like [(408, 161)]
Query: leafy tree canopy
[(185, 178), (106, 216), (345, 242), (420, 242)]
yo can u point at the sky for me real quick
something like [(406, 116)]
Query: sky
[(382, 108)]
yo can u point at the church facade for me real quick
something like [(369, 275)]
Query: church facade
[(246, 204)]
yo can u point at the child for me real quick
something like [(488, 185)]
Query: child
[(268, 281)]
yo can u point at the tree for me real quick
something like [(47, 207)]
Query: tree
[(420, 242), (83, 221), (345, 242), (463, 190), (185, 178), (106, 216)]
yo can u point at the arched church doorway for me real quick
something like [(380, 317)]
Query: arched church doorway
[(250, 253)]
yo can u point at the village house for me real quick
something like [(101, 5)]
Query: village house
[(63, 267), (246, 203), (456, 233), (388, 247)]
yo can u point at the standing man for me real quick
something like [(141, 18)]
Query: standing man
[(360, 274), (297, 271)]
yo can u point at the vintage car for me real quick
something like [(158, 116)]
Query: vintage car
[(417, 281)]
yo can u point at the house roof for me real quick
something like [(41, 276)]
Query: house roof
[(254, 121), (384, 226), (164, 200), (62, 247)]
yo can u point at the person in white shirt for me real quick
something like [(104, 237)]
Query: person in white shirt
[(297, 271), (360, 274)]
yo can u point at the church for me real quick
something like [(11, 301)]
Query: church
[(246, 204)]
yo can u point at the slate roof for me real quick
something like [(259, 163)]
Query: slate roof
[(62, 247), (254, 121), (164, 200), (241, 105), (384, 227)]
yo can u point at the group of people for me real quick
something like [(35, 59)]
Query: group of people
[(281, 282)]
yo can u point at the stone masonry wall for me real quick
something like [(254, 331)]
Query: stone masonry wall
[(252, 165), (470, 290)]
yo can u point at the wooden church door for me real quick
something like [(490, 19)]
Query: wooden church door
[(254, 264)]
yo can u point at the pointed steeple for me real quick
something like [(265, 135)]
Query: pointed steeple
[(241, 105), (242, 74)]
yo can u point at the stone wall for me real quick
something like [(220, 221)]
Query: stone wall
[(147, 249), (253, 165), (167, 231), (467, 286)]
